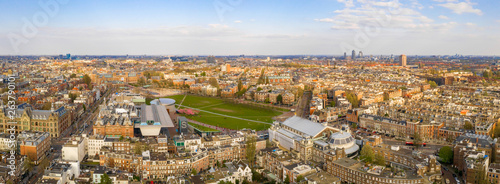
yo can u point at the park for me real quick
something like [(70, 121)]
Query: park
[(226, 114)]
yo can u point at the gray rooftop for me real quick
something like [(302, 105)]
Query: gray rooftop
[(303, 125)]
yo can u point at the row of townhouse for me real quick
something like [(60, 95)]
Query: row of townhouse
[(427, 131), (156, 165)]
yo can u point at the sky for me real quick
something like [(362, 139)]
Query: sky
[(250, 27)]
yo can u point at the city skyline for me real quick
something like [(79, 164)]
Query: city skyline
[(434, 27)]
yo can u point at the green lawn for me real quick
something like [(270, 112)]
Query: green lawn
[(203, 128), (219, 106), (195, 101)]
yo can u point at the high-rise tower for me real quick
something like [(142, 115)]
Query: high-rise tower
[(402, 60)]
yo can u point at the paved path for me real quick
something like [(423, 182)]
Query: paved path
[(227, 130), (255, 121), (211, 105)]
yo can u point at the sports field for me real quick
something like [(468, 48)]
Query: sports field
[(222, 108)]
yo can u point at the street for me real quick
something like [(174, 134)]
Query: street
[(57, 143)]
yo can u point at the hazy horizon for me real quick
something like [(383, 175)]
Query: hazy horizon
[(227, 27)]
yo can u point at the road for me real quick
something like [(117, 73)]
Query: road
[(448, 174), (303, 108), (57, 143), (85, 117)]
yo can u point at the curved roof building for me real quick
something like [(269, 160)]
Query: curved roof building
[(345, 140)]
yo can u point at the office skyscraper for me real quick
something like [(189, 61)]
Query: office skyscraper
[(353, 54), (360, 55), (345, 55), (402, 60), (211, 59)]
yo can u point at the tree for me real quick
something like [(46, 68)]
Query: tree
[(367, 154), (379, 159), (141, 81), (266, 100), (468, 126), (250, 149), (87, 80), (287, 180), (193, 172), (138, 148), (72, 76), (110, 162), (28, 164), (72, 96), (300, 92), (44, 163), (47, 106), (268, 143), (279, 99), (446, 154), (241, 93), (486, 74), (417, 140), (203, 74), (261, 77), (147, 147), (353, 99), (105, 179), (240, 85), (354, 126), (432, 83), (169, 82), (259, 89), (213, 81), (299, 178), (497, 131), (257, 177)]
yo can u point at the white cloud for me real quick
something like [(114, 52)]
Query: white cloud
[(498, 21), (470, 24), (431, 7), (384, 15), (324, 20), (443, 17), (462, 7), (416, 4), (442, 1), (347, 3), (238, 21)]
